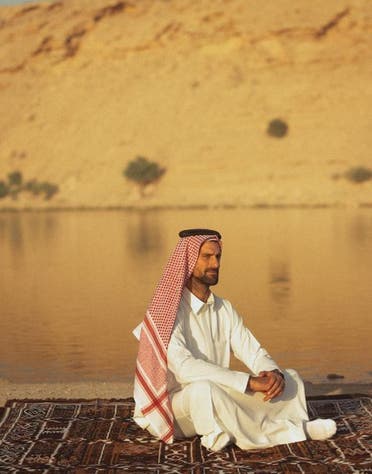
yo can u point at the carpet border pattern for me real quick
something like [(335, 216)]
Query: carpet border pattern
[(99, 435)]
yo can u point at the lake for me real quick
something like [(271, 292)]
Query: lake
[(73, 285)]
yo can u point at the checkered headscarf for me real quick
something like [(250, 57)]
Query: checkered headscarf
[(150, 385)]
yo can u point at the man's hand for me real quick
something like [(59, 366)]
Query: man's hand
[(271, 383)]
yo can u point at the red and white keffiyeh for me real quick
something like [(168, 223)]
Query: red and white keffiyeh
[(150, 384)]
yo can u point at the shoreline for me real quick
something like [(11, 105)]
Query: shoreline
[(186, 207), (64, 390), (119, 390)]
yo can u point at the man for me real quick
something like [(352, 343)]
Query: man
[(183, 383)]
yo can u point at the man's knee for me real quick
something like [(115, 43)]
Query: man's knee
[(292, 373), (293, 377), (202, 388), (293, 384), (194, 396)]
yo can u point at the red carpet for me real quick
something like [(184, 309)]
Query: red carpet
[(80, 436)]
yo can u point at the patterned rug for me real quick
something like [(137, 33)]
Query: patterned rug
[(81, 436)]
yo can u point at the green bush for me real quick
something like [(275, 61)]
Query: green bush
[(15, 185), (33, 187), (49, 189), (359, 174), (15, 178), (4, 189), (143, 172), (37, 188), (277, 128)]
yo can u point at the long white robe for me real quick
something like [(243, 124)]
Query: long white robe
[(208, 398)]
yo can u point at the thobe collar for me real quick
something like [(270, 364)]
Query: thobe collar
[(194, 302)]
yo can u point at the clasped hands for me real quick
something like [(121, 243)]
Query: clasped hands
[(270, 383)]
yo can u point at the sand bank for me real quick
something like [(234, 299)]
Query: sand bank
[(89, 390)]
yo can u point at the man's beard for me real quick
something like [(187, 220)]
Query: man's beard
[(209, 278)]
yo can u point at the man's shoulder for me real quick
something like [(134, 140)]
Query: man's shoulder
[(220, 302)]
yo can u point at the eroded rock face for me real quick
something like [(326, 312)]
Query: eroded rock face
[(85, 86)]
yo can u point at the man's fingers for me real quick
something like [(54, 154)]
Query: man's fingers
[(276, 389), (269, 383), (277, 392), (273, 381), (266, 397)]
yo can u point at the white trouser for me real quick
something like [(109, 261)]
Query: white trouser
[(222, 415)]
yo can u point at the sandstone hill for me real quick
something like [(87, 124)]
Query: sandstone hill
[(87, 85)]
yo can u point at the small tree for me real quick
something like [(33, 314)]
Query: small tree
[(15, 185), (32, 187), (277, 128), (15, 179), (4, 189), (49, 189), (36, 188), (143, 172)]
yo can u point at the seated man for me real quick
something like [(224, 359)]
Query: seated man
[(183, 384)]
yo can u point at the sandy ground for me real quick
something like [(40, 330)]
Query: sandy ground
[(88, 390), (88, 85), (91, 390)]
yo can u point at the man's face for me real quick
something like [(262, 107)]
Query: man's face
[(208, 263)]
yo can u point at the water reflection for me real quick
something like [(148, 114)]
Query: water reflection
[(11, 230), (72, 288), (43, 228), (280, 285), (143, 234), (20, 229), (360, 230)]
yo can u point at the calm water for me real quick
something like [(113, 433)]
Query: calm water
[(74, 284)]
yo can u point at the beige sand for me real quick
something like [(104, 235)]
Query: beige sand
[(93, 390), (87, 85), (85, 390)]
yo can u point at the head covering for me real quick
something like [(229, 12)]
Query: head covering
[(190, 232), (150, 384)]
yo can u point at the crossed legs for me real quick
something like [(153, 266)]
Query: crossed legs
[(221, 415)]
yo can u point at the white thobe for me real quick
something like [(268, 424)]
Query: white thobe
[(208, 398)]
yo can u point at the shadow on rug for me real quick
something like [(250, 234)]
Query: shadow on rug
[(82, 436)]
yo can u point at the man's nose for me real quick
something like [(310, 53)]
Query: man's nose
[(215, 262)]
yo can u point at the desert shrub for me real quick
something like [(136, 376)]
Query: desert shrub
[(4, 189), (33, 187), (15, 185), (277, 128), (359, 174), (15, 178), (36, 188), (49, 189), (143, 172)]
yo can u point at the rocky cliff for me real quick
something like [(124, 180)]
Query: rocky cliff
[(88, 85)]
